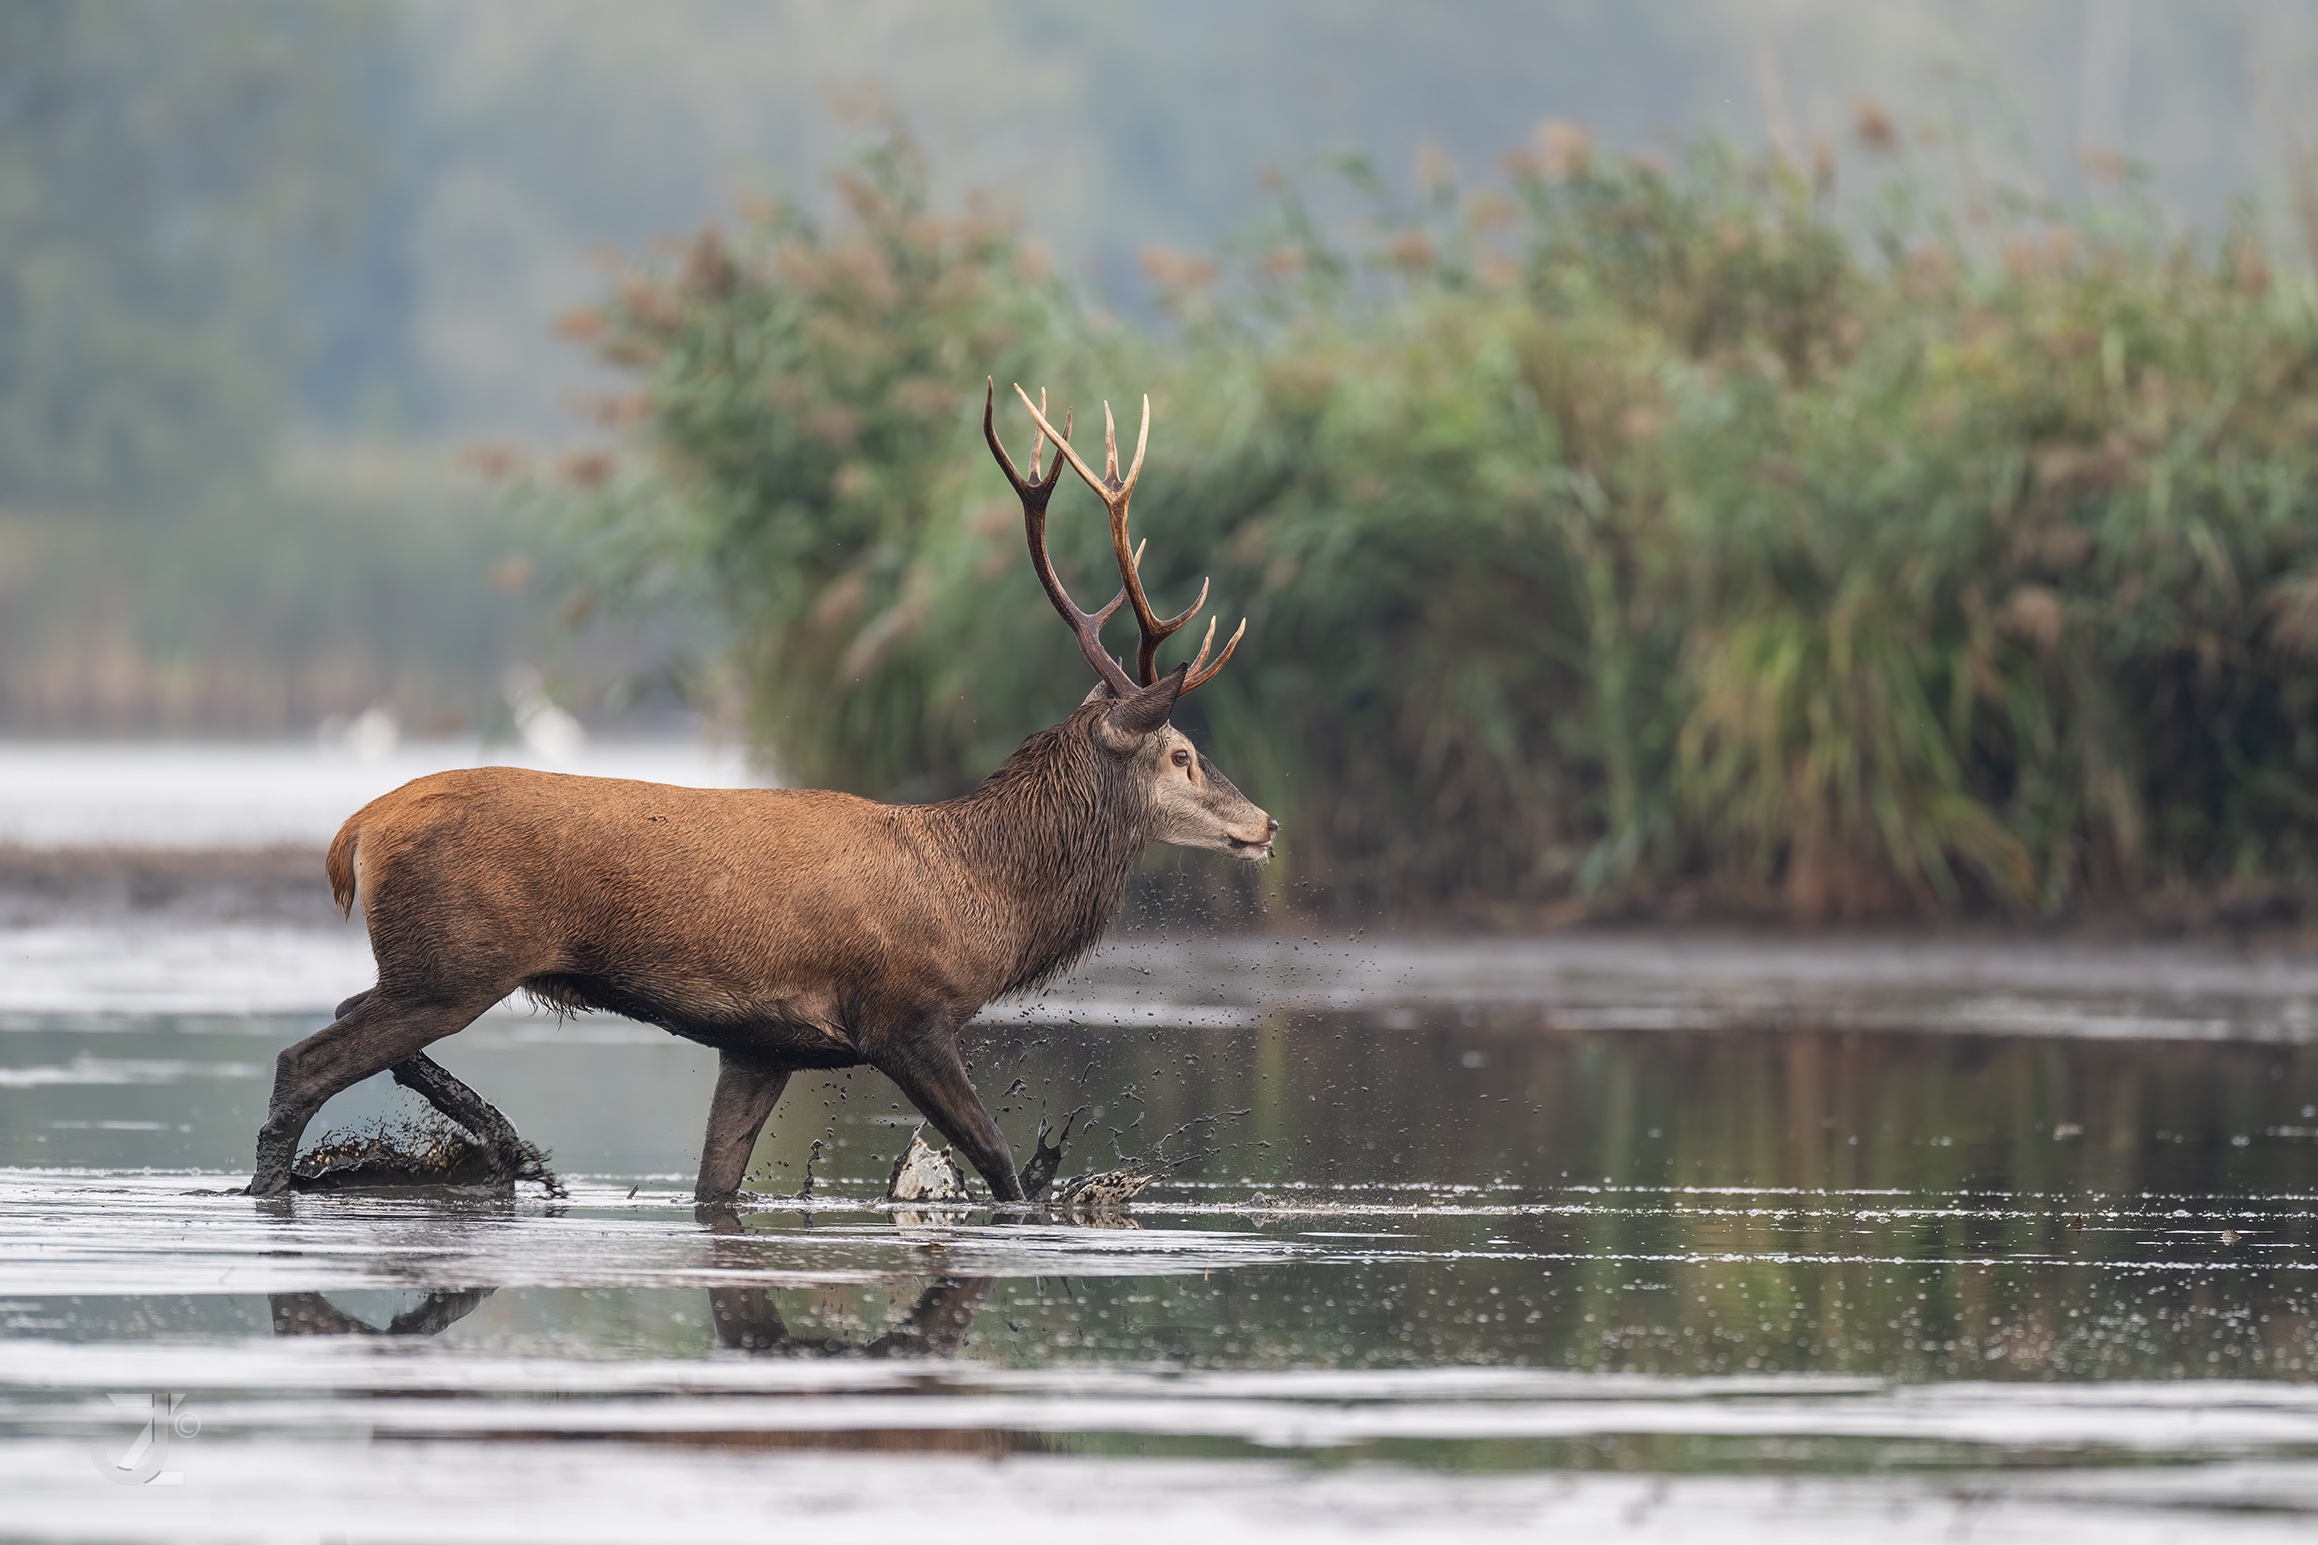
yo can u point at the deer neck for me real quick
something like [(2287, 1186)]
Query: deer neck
[(1046, 845)]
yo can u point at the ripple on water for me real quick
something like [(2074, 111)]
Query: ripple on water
[(1813, 1244)]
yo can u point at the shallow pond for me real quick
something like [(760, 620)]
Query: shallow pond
[(1637, 1237)]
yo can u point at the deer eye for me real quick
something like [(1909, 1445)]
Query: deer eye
[(1182, 757)]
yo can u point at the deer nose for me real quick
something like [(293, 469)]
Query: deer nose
[(1271, 827)]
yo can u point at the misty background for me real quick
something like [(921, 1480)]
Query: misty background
[(278, 281)]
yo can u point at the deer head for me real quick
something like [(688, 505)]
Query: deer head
[(1192, 804)]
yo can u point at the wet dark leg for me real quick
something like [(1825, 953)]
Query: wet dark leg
[(937, 1325), (464, 1106), (310, 1314), (930, 1071), (377, 1034), (746, 1089), (746, 1318)]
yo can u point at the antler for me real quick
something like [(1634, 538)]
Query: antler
[(1034, 491), (1115, 494)]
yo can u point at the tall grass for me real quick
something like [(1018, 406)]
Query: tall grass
[(1623, 532)]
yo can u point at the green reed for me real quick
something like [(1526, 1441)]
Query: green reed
[(1628, 533)]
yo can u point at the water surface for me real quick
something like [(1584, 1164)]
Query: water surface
[(1638, 1237)]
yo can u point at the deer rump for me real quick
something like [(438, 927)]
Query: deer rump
[(786, 928)]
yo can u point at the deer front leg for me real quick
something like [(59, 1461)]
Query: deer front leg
[(746, 1089), (925, 1063)]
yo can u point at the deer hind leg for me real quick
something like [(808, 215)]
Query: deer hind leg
[(378, 1032), (463, 1105), (746, 1089)]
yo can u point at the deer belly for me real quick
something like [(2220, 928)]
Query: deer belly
[(802, 1026)]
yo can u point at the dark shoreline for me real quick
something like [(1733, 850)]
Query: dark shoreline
[(285, 887), (47, 886)]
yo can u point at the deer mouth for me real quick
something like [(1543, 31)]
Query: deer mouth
[(1240, 848)]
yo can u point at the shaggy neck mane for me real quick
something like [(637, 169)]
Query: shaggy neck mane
[(1049, 840)]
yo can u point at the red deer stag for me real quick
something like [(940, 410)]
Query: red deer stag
[(786, 928)]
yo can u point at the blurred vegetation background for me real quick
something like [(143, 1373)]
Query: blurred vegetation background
[(1631, 530), (1862, 470)]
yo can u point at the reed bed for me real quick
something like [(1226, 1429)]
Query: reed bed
[(1628, 534)]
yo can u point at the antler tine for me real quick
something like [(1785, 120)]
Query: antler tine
[(1142, 442), (1042, 486), (1062, 444), (1155, 631), (1111, 447), (1205, 644), (1116, 495), (1160, 631), (1197, 675), (1086, 627)]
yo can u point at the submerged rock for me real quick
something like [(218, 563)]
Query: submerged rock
[(1104, 1192), (925, 1174), (414, 1154)]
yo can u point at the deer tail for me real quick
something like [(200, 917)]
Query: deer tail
[(339, 865)]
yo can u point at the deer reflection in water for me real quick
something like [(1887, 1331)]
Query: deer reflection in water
[(311, 1314), (744, 1315), (745, 1318)]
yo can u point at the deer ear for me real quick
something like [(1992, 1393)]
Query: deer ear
[(1125, 726)]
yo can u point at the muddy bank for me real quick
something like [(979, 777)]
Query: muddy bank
[(2251, 909), (277, 885)]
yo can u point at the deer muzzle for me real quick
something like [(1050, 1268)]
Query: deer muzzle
[(1251, 846)]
